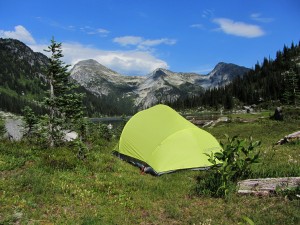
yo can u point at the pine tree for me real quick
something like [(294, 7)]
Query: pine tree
[(63, 103), (228, 102), (30, 120), (291, 93)]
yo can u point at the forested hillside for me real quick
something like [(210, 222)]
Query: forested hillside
[(21, 76), (22, 83), (272, 80)]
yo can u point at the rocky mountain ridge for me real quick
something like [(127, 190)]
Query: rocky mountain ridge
[(161, 85)]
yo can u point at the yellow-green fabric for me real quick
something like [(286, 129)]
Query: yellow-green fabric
[(166, 141)]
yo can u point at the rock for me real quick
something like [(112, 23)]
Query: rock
[(278, 114), (110, 126), (248, 109), (70, 136), (14, 129)]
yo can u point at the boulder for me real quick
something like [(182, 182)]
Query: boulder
[(14, 129), (70, 136)]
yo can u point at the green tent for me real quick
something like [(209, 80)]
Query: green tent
[(163, 141)]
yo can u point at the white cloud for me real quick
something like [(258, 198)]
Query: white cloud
[(142, 43), (124, 62), (259, 18), (132, 62), (135, 62), (102, 31), (197, 25), (128, 40), (92, 31), (155, 42), (241, 29), (19, 33), (207, 13)]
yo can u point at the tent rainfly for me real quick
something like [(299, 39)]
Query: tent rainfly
[(162, 141)]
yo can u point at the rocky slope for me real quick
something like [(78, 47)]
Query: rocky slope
[(164, 85), (21, 69), (101, 80), (223, 73)]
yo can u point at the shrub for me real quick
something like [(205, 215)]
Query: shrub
[(231, 164), (105, 132), (291, 113), (2, 128)]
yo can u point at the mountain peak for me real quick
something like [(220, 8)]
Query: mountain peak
[(94, 65), (160, 69), (223, 73), (88, 62), (159, 72), (225, 67)]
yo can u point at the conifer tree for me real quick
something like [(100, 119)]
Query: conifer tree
[(30, 120), (64, 105), (291, 93)]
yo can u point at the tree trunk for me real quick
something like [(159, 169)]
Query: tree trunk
[(51, 119)]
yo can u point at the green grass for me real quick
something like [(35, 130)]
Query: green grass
[(54, 187), (8, 91)]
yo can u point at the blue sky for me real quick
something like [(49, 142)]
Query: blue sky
[(134, 37)]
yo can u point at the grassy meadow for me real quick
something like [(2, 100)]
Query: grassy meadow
[(42, 186)]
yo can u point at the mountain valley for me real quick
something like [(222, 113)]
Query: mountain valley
[(107, 91)]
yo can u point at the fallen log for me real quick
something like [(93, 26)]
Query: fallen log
[(290, 137), (267, 186)]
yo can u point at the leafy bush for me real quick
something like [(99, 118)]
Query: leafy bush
[(231, 164), (105, 132), (291, 113), (2, 128)]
